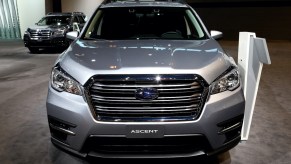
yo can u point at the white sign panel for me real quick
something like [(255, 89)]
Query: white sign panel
[(252, 54)]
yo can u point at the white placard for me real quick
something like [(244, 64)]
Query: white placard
[(252, 54)]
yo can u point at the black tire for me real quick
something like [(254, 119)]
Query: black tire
[(33, 50)]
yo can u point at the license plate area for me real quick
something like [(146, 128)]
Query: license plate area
[(145, 131)]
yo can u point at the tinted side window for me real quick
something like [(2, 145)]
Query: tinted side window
[(81, 19), (76, 19)]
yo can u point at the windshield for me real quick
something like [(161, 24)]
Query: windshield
[(144, 23), (54, 20)]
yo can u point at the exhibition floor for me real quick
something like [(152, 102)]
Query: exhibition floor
[(24, 132)]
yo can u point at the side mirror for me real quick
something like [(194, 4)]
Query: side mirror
[(216, 34), (72, 35)]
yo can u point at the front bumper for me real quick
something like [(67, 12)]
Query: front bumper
[(52, 41), (216, 130)]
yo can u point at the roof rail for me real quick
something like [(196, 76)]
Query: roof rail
[(110, 1), (78, 13), (56, 13)]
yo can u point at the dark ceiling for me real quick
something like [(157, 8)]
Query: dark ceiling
[(239, 3)]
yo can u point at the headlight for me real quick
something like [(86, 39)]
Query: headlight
[(59, 32), (27, 32), (229, 81), (62, 82)]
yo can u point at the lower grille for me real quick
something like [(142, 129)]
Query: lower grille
[(147, 146), (40, 34), (180, 97)]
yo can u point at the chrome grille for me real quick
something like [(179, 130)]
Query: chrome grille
[(181, 97), (40, 34)]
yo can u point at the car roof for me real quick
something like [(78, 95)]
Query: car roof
[(65, 14), (143, 3)]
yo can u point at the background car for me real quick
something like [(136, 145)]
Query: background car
[(51, 30)]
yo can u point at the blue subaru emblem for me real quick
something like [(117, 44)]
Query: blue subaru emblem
[(146, 93)]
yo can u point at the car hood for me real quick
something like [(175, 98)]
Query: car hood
[(51, 27), (86, 58)]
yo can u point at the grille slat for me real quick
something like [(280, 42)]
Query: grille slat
[(135, 100), (148, 108), (142, 105), (41, 34), (134, 86), (197, 96), (131, 93), (179, 97), (133, 89), (154, 116)]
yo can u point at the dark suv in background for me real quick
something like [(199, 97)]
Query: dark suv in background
[(51, 30)]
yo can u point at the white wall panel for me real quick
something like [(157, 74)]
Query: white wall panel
[(9, 23), (30, 12)]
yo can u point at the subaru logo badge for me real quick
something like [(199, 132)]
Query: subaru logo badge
[(146, 93)]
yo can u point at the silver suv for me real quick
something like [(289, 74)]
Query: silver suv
[(145, 79)]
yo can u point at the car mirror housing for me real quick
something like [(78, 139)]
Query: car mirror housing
[(216, 34), (72, 35)]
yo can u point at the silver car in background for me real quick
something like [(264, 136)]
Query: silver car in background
[(145, 79)]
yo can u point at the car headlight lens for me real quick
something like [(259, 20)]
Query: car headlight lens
[(62, 82), (59, 32), (229, 81)]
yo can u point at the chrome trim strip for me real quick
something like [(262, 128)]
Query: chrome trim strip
[(180, 155), (109, 135), (123, 89), (68, 132), (159, 111), (144, 86), (197, 95), (148, 108), (149, 101), (166, 135), (234, 126)]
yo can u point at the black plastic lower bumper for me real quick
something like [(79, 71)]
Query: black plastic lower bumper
[(169, 147), (43, 43)]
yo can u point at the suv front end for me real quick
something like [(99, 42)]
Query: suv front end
[(50, 31), (44, 38), (145, 92)]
